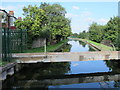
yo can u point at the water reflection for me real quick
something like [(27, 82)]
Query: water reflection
[(113, 65), (65, 48), (75, 46), (92, 48), (82, 43), (84, 74), (81, 74)]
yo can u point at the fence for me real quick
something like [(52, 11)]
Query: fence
[(13, 41)]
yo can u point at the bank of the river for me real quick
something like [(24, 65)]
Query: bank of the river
[(99, 46), (49, 48), (4, 63)]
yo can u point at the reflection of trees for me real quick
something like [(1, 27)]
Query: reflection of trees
[(39, 71), (45, 69), (114, 65), (65, 48), (117, 83), (91, 49), (82, 43)]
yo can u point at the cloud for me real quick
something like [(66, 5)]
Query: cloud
[(76, 64), (103, 20), (76, 7), (79, 27), (89, 19), (16, 8), (70, 15), (86, 13), (12, 7)]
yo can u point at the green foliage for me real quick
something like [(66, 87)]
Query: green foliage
[(74, 35), (110, 31), (46, 21), (83, 35), (50, 48), (96, 32), (58, 24)]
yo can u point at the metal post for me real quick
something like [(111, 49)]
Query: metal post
[(0, 44), (45, 49), (5, 54), (21, 45)]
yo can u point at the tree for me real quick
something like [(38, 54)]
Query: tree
[(46, 21), (96, 32), (112, 29), (83, 35), (59, 25)]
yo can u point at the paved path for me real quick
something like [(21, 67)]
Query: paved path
[(66, 56)]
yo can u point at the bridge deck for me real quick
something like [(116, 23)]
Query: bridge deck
[(66, 56)]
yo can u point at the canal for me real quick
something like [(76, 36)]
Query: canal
[(77, 74)]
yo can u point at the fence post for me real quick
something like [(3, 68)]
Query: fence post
[(1, 44), (8, 45), (4, 45), (21, 45)]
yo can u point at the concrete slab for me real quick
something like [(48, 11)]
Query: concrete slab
[(66, 56)]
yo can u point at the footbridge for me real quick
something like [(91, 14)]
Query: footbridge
[(66, 56)]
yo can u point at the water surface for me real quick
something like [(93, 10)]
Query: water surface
[(77, 74)]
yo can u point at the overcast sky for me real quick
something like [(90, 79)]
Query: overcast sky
[(82, 14)]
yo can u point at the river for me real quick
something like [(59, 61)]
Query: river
[(77, 74)]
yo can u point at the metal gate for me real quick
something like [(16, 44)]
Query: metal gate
[(13, 41)]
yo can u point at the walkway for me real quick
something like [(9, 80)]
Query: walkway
[(66, 56)]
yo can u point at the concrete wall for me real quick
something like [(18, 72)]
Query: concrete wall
[(38, 43)]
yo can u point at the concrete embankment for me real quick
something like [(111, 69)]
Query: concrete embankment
[(9, 70), (94, 46)]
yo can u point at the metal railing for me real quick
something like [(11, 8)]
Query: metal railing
[(13, 41)]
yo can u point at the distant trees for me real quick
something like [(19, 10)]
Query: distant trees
[(47, 21), (110, 31), (83, 34), (74, 35)]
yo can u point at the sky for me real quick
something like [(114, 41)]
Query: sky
[(82, 14)]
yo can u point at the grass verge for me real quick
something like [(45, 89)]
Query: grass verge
[(50, 48), (3, 63), (101, 46)]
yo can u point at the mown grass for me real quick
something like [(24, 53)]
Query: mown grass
[(50, 48), (3, 63), (101, 46)]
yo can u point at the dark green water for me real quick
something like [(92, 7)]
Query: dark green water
[(80, 74)]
